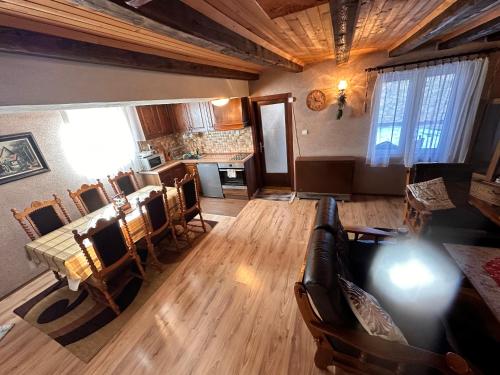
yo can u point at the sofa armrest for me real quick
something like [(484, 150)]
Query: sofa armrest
[(450, 363), (377, 233)]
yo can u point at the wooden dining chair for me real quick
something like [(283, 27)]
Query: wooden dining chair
[(189, 202), (125, 182), (116, 252), (89, 197), (41, 218), (157, 220)]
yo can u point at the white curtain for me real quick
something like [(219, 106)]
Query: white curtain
[(425, 114)]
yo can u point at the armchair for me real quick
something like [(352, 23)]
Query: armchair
[(463, 224), (339, 338)]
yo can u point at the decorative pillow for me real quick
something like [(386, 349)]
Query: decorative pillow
[(432, 194), (374, 319)]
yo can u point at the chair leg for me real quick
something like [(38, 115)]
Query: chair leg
[(184, 224), (323, 358), (202, 223), (174, 236), (155, 262), (57, 276), (111, 302)]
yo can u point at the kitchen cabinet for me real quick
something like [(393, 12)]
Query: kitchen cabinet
[(192, 117), (165, 175), (155, 121), (232, 116)]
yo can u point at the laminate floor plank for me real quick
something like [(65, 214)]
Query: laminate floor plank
[(228, 308)]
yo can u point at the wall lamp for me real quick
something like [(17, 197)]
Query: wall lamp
[(220, 102), (341, 98)]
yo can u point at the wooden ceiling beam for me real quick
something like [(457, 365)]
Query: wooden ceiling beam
[(344, 15), (18, 41), (177, 20), (456, 14), (478, 32)]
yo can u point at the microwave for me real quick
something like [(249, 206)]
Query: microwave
[(151, 161)]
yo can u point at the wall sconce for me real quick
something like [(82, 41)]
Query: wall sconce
[(220, 102), (341, 98)]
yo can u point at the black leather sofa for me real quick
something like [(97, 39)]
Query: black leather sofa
[(339, 337)]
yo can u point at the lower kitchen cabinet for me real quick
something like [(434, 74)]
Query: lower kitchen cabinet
[(165, 176)]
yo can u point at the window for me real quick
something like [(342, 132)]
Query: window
[(97, 141), (425, 115)]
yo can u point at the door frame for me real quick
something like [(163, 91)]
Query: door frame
[(286, 99)]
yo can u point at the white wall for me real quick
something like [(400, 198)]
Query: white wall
[(30, 80)]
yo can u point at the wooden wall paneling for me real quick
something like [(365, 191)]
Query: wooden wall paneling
[(456, 14), (78, 23), (178, 20)]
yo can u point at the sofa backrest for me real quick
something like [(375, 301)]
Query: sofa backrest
[(326, 259), (456, 176)]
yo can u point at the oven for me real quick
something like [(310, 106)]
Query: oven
[(232, 174)]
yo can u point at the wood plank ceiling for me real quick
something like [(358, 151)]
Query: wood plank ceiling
[(297, 31)]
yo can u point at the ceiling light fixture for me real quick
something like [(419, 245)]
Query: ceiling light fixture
[(220, 102)]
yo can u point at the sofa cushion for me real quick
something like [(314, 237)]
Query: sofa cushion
[(456, 176), (432, 194), (321, 279), (462, 217), (374, 319)]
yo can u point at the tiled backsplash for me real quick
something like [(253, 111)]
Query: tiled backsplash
[(211, 142)]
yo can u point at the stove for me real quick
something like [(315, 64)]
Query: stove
[(239, 156)]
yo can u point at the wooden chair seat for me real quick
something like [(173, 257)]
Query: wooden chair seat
[(189, 202), (125, 182), (89, 197), (157, 220), (116, 253)]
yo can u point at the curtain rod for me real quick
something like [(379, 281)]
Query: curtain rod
[(381, 68)]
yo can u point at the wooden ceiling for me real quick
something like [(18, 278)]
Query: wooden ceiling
[(253, 35)]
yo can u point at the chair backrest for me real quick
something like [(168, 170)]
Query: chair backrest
[(125, 182), (187, 193), (155, 211), (89, 197), (456, 176), (42, 217), (111, 241)]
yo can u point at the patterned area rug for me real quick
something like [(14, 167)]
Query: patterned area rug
[(81, 325)]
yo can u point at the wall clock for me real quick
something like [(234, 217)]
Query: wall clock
[(316, 100)]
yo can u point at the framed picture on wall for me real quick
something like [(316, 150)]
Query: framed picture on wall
[(20, 157)]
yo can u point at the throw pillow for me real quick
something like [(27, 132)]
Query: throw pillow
[(374, 319), (432, 194)]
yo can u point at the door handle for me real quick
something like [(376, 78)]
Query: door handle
[(261, 147)]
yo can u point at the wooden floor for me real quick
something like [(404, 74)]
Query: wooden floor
[(228, 309), (226, 206)]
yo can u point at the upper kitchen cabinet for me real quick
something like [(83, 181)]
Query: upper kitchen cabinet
[(155, 120), (192, 117), (232, 116)]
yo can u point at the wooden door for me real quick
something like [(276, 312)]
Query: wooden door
[(273, 139)]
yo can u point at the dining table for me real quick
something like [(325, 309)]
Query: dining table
[(481, 265), (59, 251)]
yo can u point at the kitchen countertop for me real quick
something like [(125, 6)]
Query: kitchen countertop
[(205, 158)]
